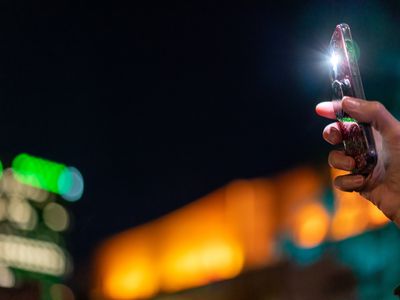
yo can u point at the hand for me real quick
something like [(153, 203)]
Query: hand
[(382, 186)]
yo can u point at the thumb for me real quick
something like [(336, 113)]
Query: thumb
[(372, 112)]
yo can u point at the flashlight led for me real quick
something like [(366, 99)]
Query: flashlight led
[(335, 59)]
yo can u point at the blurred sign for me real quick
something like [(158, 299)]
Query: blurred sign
[(32, 220)]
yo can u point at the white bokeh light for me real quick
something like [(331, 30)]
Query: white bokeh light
[(335, 59)]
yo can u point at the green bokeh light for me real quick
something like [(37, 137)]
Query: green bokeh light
[(43, 174)]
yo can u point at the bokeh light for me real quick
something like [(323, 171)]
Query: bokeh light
[(55, 217), (236, 228), (7, 278), (61, 292), (38, 172), (22, 214), (32, 255), (50, 176), (71, 184), (311, 224)]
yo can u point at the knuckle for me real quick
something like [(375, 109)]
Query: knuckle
[(338, 182), (335, 159)]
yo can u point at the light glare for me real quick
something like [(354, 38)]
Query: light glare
[(335, 60)]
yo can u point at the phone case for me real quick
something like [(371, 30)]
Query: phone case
[(358, 139)]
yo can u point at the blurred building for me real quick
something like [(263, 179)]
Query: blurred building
[(288, 237)]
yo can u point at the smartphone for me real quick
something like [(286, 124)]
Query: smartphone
[(358, 139)]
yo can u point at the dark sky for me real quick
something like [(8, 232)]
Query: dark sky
[(159, 104)]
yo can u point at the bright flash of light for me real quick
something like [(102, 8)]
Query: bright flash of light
[(335, 59)]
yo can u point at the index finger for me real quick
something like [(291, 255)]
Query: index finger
[(325, 109)]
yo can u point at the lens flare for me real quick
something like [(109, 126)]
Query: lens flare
[(335, 59)]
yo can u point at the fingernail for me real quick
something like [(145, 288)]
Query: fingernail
[(349, 165), (358, 180), (333, 136), (351, 103)]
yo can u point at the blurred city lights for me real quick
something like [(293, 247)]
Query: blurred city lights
[(61, 292), (133, 272), (7, 278), (50, 176), (24, 253), (55, 217), (32, 255), (22, 214), (233, 229), (38, 172), (311, 224), (11, 186), (209, 240), (194, 265), (75, 188), (32, 221), (3, 208)]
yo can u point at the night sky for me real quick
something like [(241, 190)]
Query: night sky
[(159, 104)]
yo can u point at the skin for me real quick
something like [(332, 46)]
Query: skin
[(382, 186)]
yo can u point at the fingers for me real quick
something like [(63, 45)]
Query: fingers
[(371, 112), (325, 109), (349, 183), (332, 134), (339, 160)]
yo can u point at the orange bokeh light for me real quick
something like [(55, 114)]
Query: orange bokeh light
[(230, 230), (133, 280), (211, 239), (311, 224), (197, 265)]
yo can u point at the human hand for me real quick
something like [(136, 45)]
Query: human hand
[(382, 186)]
